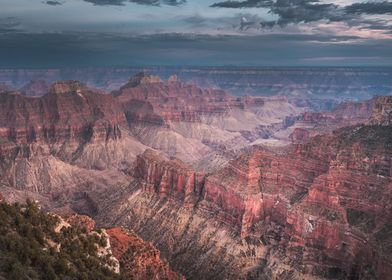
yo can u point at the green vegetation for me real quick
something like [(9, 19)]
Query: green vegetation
[(30, 248)]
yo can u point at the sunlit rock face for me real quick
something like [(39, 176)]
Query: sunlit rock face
[(382, 115), (138, 259), (63, 139), (69, 111)]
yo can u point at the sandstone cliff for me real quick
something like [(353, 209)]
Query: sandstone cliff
[(139, 260), (290, 213), (320, 210), (382, 115)]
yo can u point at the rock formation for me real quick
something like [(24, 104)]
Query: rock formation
[(35, 88), (192, 123), (137, 158), (139, 260), (382, 114), (286, 215), (321, 88)]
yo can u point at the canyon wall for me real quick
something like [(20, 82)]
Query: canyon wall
[(212, 180), (310, 84), (320, 210)]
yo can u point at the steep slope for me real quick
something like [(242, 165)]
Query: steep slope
[(289, 212), (320, 210), (190, 123), (36, 245), (313, 123), (62, 139), (35, 88), (382, 114), (138, 259), (39, 245)]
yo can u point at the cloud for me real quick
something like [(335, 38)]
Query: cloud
[(9, 24), (196, 20), (141, 2), (306, 11), (290, 11), (53, 3), (48, 50), (230, 24), (370, 8), (296, 11), (243, 4)]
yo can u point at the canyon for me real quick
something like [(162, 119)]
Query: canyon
[(337, 83), (261, 186)]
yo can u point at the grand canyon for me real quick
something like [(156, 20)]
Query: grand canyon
[(195, 139), (192, 181)]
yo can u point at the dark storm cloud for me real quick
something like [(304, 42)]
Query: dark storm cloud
[(96, 49), (370, 8), (295, 11), (243, 4), (9, 24), (141, 2), (290, 11), (298, 11), (53, 3)]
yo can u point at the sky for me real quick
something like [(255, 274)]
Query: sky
[(87, 33)]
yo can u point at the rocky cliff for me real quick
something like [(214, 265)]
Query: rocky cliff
[(192, 123), (228, 208), (62, 139), (382, 114), (314, 123), (70, 110), (305, 84), (139, 260), (35, 88), (320, 210)]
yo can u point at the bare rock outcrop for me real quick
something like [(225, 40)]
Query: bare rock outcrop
[(35, 88), (284, 216), (382, 114), (138, 259)]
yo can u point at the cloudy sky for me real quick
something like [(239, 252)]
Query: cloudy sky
[(66, 33)]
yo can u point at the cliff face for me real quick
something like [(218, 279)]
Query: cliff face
[(285, 216), (346, 114), (138, 259), (192, 123), (174, 101), (61, 139), (169, 179), (134, 258), (286, 213), (35, 88), (306, 85), (68, 111), (382, 114)]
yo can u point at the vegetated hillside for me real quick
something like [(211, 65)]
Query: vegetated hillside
[(37, 245)]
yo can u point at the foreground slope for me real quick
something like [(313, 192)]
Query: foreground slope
[(39, 245)]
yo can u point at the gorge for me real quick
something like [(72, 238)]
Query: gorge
[(226, 187)]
